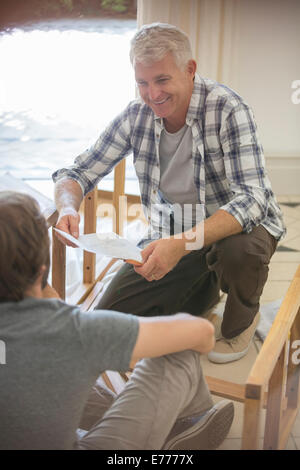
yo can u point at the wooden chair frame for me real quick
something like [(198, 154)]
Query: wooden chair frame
[(273, 381), (90, 287)]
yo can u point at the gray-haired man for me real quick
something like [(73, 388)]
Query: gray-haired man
[(195, 148)]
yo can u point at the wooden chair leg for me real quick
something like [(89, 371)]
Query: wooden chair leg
[(275, 402), (90, 222), (114, 380), (58, 266), (252, 415), (292, 384), (118, 201), (293, 375)]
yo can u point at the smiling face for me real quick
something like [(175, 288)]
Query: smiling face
[(167, 89)]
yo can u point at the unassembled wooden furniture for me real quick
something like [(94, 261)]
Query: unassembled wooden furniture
[(273, 381)]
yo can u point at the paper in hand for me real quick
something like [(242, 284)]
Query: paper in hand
[(108, 244)]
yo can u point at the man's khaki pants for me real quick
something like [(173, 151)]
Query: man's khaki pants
[(238, 265)]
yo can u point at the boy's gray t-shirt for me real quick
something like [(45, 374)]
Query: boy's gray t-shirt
[(53, 356)]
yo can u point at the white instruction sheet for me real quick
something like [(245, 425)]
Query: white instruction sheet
[(108, 244)]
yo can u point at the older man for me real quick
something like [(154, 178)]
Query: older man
[(213, 218)]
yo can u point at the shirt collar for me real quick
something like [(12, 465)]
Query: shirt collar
[(196, 107)]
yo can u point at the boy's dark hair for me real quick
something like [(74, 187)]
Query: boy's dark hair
[(24, 244)]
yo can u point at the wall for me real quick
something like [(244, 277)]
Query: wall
[(253, 46)]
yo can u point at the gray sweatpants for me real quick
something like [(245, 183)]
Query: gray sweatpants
[(160, 391)]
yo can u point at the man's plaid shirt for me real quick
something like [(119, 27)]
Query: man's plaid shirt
[(229, 166)]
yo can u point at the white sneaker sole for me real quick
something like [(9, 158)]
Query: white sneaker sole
[(208, 433), (221, 358)]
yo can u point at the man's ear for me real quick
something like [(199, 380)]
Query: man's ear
[(191, 67)]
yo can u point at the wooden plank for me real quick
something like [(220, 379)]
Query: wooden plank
[(273, 344), (90, 299), (293, 376), (114, 381), (84, 290), (108, 196), (96, 296), (81, 293), (226, 389), (89, 263), (118, 200), (133, 206), (58, 266), (288, 418), (106, 269), (90, 220), (275, 403), (251, 423)]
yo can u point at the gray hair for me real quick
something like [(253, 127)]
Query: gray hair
[(153, 41)]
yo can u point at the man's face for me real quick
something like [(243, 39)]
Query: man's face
[(166, 88)]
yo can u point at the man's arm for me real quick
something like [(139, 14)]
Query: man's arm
[(161, 256), (219, 225), (68, 196), (165, 335), (89, 168)]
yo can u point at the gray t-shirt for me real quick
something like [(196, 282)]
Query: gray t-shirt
[(54, 354), (177, 183), (176, 166)]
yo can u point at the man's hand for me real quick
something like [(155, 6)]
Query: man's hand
[(160, 257), (68, 196), (68, 221)]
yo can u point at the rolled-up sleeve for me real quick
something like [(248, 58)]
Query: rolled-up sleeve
[(91, 166), (245, 168)]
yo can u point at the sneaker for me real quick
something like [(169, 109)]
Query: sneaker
[(216, 320), (202, 432), (229, 350)]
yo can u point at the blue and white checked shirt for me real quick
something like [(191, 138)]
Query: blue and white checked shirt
[(229, 166)]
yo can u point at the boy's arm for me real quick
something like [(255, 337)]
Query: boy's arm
[(158, 336), (164, 335)]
